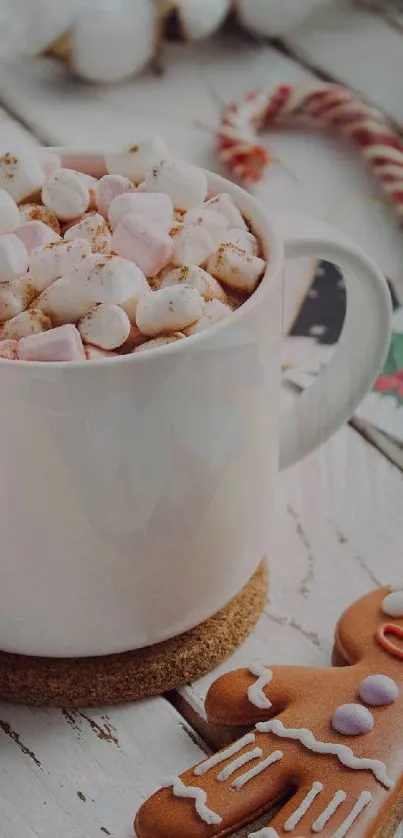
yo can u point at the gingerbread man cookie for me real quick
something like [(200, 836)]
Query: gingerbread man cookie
[(326, 743)]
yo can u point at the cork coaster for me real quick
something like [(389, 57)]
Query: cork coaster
[(86, 682)]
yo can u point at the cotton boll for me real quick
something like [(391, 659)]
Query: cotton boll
[(46, 21), (274, 17), (111, 43), (200, 18)]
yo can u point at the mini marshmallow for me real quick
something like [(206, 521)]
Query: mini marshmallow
[(185, 184), (15, 297), (94, 353), (155, 205), (63, 302), (243, 239), (224, 204), (27, 323), (162, 341), (94, 228), (57, 259), (8, 349), (213, 312), (215, 223), (21, 176), (192, 275), (36, 234), (106, 326), (13, 257), (192, 245), (137, 160), (141, 240), (66, 192), (236, 268), (36, 212), (108, 188), (60, 344), (115, 281), (9, 215), (169, 310), (81, 270)]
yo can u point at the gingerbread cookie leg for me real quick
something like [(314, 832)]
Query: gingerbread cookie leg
[(329, 743)]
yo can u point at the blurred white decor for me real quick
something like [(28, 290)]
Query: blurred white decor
[(109, 40)]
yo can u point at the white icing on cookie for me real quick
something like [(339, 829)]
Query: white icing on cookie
[(256, 695), (363, 800), (299, 813), (198, 795), (327, 813), (221, 756), (238, 763), (257, 769), (266, 832), (342, 752)]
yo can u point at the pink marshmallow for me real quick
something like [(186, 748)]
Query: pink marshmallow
[(108, 188), (142, 241), (36, 234), (61, 344), (8, 349)]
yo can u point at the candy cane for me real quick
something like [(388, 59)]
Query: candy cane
[(325, 105)]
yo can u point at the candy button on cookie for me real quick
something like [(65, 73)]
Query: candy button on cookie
[(352, 720), (378, 690)]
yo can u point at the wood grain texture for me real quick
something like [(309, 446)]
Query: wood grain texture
[(83, 774), (339, 41)]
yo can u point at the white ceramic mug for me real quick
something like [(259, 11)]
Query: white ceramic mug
[(135, 492)]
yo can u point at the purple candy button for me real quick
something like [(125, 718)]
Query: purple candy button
[(352, 720), (378, 690)]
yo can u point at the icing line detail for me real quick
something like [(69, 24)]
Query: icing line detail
[(343, 753), (363, 800), (198, 795), (299, 813), (257, 769), (327, 813), (221, 756), (238, 763), (256, 695), (266, 832)]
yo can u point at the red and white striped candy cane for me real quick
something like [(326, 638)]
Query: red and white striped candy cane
[(325, 105)]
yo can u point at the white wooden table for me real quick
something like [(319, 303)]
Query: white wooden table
[(339, 517)]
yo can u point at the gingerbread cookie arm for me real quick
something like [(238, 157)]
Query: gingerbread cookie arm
[(246, 696)]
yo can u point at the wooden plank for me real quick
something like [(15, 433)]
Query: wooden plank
[(83, 774), (13, 134), (339, 40)]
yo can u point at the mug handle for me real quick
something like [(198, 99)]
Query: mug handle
[(331, 400)]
